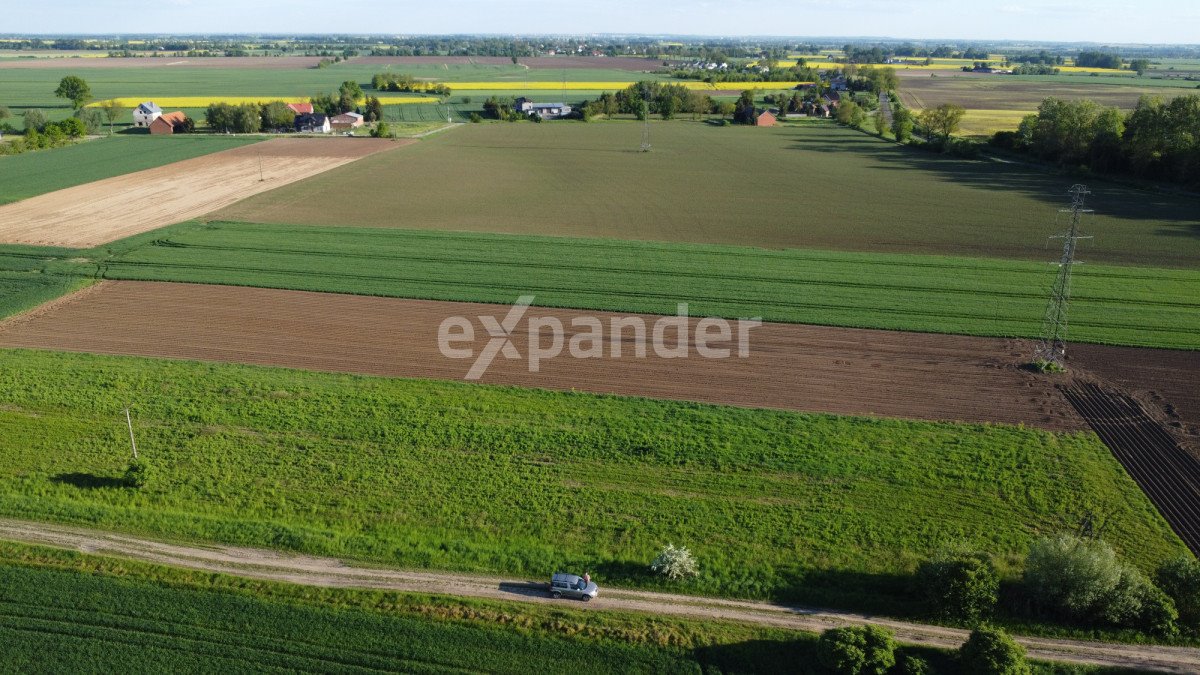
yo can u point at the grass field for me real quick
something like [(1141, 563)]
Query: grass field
[(35, 173), (35, 87), (797, 186), (821, 509), (1118, 305)]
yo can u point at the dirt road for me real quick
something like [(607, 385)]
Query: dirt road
[(329, 572)]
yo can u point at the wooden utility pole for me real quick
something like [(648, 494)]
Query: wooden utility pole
[(129, 422)]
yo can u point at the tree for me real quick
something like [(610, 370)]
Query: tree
[(943, 120), (93, 119), (373, 110), (857, 650), (74, 89), (1084, 580), (34, 119), (962, 586), (1180, 579), (276, 115), (4, 112), (111, 110), (675, 563), (72, 127), (902, 124), (851, 114), (1140, 66), (348, 95), (990, 651), (726, 108)]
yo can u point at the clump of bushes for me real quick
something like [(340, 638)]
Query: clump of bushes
[(857, 650), (41, 134), (991, 651), (1180, 580), (1084, 581), (139, 474), (959, 586), (675, 562)]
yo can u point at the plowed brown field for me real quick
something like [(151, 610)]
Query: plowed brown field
[(811, 368), (94, 213)]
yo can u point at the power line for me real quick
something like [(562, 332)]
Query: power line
[(1052, 348)]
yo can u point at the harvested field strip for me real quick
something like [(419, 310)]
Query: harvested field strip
[(1118, 305), (417, 473), (98, 212), (35, 173), (790, 366), (1167, 473)]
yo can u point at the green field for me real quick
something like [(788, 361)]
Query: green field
[(1111, 304), (821, 509), (35, 173), (34, 87), (63, 612), (795, 186)]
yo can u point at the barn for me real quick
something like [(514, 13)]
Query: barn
[(169, 123)]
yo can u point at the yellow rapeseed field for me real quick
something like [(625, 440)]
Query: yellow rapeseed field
[(571, 85)]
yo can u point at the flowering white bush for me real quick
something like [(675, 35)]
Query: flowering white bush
[(675, 563)]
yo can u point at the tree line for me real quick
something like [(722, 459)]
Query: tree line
[(407, 83), (1157, 140)]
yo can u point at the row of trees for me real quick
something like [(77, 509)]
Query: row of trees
[(1156, 140), (41, 134), (408, 83), (1081, 581)]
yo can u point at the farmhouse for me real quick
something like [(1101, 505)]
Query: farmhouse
[(146, 113), (346, 121), (312, 123), (546, 111), (169, 123), (301, 108)]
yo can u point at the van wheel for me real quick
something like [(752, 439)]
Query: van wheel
[(555, 594), (586, 598)]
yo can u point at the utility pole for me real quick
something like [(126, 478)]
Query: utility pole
[(129, 423), (1052, 348), (645, 126)]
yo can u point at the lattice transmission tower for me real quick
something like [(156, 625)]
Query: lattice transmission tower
[(1052, 348)]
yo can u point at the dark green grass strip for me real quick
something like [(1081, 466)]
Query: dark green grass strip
[(1114, 305)]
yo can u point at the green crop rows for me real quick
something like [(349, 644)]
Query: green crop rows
[(1118, 305)]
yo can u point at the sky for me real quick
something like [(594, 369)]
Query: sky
[(1106, 21)]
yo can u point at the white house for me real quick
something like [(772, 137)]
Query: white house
[(314, 123), (146, 113), (550, 111)]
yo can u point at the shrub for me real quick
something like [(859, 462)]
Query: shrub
[(1070, 575), (675, 563), (72, 127), (990, 651), (476, 118), (139, 474), (381, 130), (1084, 580), (93, 119), (911, 664), (1180, 579), (35, 119), (964, 586), (857, 650)]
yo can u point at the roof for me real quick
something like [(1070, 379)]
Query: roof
[(310, 119), (149, 106), (176, 117), (349, 114), (549, 105), (301, 107)]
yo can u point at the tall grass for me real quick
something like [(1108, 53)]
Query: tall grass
[(773, 504)]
